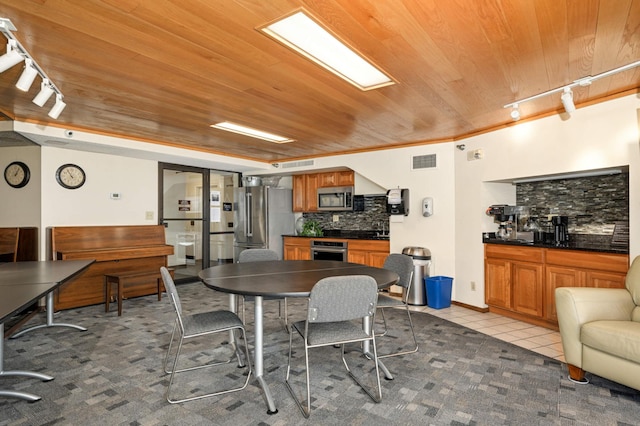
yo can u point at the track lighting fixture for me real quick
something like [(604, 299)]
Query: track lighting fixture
[(44, 94), (567, 100), (16, 53), (515, 113), (28, 75), (57, 107), (11, 58), (567, 93)]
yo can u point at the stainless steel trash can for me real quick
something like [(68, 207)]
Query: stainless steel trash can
[(421, 256)]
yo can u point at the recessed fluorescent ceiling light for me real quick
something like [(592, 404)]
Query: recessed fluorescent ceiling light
[(248, 131), (307, 37)]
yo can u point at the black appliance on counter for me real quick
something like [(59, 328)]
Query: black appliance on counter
[(560, 229)]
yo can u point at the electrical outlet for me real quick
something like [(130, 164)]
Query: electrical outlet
[(148, 215), (336, 218), (473, 286)]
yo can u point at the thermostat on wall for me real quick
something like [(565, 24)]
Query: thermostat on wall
[(115, 195)]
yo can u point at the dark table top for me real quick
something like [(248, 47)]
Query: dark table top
[(22, 283), (286, 278)]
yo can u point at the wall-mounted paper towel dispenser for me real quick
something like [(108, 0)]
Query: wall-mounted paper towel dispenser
[(398, 202)]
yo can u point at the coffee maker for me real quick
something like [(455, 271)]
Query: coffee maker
[(560, 230), (512, 222)]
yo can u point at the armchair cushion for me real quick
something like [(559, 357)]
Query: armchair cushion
[(619, 338)]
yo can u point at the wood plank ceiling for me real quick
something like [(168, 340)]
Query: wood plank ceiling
[(164, 70)]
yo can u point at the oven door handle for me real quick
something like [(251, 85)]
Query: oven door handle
[(329, 250)]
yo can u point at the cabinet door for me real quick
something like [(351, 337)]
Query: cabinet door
[(299, 193), (557, 276), (303, 253), (376, 259), (311, 193), (605, 279), (527, 288), (345, 178), (357, 256), (326, 180), (497, 283)]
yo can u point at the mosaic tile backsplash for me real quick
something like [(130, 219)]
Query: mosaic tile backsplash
[(373, 218), (593, 204)]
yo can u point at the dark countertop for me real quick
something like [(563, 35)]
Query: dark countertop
[(347, 235), (583, 243)]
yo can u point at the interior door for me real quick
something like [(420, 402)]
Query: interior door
[(183, 214)]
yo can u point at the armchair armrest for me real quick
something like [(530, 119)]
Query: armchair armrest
[(576, 306)]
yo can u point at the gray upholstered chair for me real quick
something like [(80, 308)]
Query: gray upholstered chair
[(334, 304), (262, 255), (402, 265), (197, 325)]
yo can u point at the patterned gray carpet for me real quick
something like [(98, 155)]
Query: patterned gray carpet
[(112, 375)]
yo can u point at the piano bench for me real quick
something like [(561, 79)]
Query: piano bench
[(123, 279)]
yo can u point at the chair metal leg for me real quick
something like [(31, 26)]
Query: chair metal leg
[(384, 321), (378, 397), (305, 411), (413, 334), (175, 370)]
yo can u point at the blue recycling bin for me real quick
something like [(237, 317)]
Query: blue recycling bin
[(439, 291)]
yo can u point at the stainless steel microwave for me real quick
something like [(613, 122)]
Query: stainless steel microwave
[(335, 198)]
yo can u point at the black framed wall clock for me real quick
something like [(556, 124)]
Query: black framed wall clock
[(70, 176), (17, 174)]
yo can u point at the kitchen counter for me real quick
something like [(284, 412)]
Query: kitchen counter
[(347, 235), (583, 243)]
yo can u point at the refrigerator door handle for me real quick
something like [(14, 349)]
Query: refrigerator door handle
[(249, 223)]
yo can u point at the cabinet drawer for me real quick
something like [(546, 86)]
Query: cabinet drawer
[(609, 262), (526, 254)]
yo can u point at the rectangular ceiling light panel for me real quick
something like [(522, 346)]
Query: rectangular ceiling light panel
[(248, 131), (310, 39)]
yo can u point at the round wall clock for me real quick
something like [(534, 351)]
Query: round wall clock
[(70, 176), (17, 174)]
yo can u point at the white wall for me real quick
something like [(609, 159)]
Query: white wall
[(391, 169), (136, 180), (20, 206), (600, 136)]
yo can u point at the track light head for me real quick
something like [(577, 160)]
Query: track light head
[(57, 107), (28, 76), (11, 58), (45, 93), (567, 100), (515, 113)]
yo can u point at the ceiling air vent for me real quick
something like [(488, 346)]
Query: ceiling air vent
[(423, 162), (297, 164)]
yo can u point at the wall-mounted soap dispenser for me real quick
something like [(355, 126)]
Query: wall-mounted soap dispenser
[(398, 202), (427, 206)]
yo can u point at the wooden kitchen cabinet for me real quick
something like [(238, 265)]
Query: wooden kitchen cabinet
[(342, 178), (527, 288), (520, 281), (305, 193), (297, 248), (574, 268), (305, 187), (497, 278), (368, 252)]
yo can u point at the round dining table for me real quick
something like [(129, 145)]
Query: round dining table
[(285, 278)]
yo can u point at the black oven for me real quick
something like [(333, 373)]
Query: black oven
[(329, 250)]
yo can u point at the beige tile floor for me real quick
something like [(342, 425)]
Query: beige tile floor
[(532, 337)]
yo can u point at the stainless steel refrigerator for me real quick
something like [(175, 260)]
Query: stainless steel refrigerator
[(262, 215)]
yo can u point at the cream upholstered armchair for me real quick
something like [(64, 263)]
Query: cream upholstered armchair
[(600, 329)]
